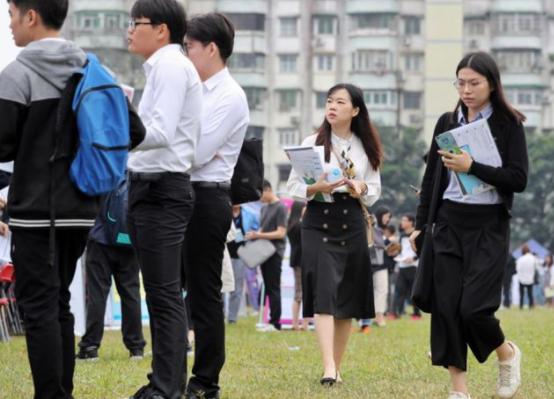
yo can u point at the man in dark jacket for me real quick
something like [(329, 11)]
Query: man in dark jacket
[(30, 92)]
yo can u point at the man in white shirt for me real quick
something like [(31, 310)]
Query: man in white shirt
[(209, 43), (161, 196), (407, 266), (526, 266)]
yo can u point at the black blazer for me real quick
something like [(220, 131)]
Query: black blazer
[(509, 179)]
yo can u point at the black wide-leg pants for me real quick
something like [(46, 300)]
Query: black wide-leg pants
[(471, 246)]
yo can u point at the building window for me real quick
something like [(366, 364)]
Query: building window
[(518, 61), (380, 98), (514, 23), (412, 100), (287, 136), (247, 21), (284, 171), (324, 25), (254, 132), (247, 61), (373, 21), (320, 99), (412, 26), (525, 96), (287, 99), (288, 63), (371, 60), (289, 26), (476, 27), (255, 96), (413, 62), (324, 62), (88, 20)]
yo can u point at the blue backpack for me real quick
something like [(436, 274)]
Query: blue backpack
[(102, 114)]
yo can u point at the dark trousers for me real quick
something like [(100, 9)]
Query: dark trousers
[(159, 212), (271, 274), (507, 289), (471, 245), (206, 238), (103, 262), (42, 292), (529, 289), (403, 289)]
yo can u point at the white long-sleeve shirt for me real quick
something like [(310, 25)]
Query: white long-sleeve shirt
[(364, 172), (525, 268), (170, 109), (225, 118)]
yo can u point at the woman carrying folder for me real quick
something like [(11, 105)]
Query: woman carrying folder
[(471, 233), (336, 270)]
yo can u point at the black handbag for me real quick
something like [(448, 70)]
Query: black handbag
[(248, 176), (422, 290)]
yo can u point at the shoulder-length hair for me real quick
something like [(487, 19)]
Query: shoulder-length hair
[(361, 126), (484, 64)]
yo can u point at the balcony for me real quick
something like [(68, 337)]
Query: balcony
[(376, 6)]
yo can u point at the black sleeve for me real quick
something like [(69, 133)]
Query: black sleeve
[(511, 177), (136, 128), (13, 116), (429, 175), (281, 217)]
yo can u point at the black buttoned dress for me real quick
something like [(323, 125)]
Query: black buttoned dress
[(336, 267)]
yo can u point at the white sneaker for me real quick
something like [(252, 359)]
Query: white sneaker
[(509, 375), (458, 395), (270, 328)]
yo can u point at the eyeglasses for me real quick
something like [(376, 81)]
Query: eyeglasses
[(133, 24), (461, 84)]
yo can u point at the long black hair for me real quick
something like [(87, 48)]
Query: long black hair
[(484, 64), (361, 126), (295, 214)]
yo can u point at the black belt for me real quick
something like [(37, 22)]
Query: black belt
[(212, 184), (137, 176)]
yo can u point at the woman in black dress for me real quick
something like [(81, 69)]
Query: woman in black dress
[(336, 267)]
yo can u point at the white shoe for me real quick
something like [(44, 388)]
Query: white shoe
[(270, 328), (509, 375), (458, 395)]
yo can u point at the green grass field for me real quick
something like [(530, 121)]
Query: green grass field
[(388, 363)]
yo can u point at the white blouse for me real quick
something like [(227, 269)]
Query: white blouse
[(364, 171)]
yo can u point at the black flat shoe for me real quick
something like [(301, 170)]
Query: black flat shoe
[(328, 381)]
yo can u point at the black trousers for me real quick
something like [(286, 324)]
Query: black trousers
[(403, 289), (271, 274), (471, 248), (103, 262), (507, 289), (206, 238), (159, 212), (529, 289), (42, 292)]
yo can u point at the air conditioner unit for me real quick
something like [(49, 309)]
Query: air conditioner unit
[(546, 100), (294, 120), (318, 42), (473, 44), (415, 119), (407, 41)]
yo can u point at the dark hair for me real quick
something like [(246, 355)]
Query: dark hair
[(361, 126), (169, 12), (295, 214), (410, 217), (52, 12), (484, 64), (379, 213), (525, 249), (213, 28), (390, 228), (266, 185)]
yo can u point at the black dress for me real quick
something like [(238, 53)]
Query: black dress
[(336, 268)]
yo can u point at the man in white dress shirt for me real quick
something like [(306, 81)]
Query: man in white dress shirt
[(225, 117), (161, 197)]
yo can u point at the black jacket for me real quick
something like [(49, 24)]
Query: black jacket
[(509, 179), (31, 89)]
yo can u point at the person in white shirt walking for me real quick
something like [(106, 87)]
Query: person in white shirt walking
[(225, 117), (161, 196), (526, 266)]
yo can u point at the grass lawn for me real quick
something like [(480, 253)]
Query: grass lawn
[(388, 363)]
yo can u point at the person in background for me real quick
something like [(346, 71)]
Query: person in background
[(407, 268), (392, 249), (549, 281), (336, 267), (273, 227), (294, 234), (244, 222), (526, 268), (507, 281)]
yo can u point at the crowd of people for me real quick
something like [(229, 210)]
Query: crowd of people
[(175, 214)]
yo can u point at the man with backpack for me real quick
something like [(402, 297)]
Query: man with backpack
[(49, 216), (161, 196), (225, 116), (109, 253)]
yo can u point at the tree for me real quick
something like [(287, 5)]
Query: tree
[(402, 167), (533, 215)]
